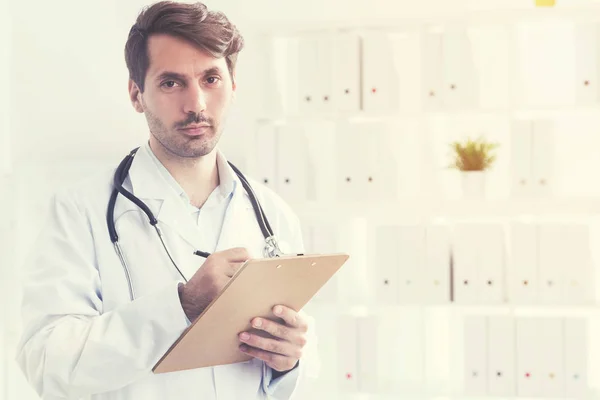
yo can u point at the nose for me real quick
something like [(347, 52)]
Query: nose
[(195, 101)]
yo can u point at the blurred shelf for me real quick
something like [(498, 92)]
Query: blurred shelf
[(415, 17), (416, 396), (550, 310), (364, 117), (434, 208)]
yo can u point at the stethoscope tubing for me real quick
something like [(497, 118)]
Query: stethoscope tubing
[(120, 175)]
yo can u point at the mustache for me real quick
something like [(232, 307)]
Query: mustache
[(194, 118)]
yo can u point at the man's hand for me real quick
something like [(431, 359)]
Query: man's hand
[(209, 280), (282, 350)]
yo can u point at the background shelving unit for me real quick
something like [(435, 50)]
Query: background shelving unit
[(522, 47)]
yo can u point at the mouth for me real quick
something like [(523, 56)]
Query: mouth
[(196, 130)]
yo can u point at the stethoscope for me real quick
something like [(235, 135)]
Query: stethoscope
[(271, 246)]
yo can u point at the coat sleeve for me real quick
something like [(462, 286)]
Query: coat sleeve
[(69, 348), (298, 383)]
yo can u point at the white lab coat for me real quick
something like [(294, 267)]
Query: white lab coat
[(84, 338)]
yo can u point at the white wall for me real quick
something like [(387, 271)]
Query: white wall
[(5, 253), (5, 110), (70, 96)]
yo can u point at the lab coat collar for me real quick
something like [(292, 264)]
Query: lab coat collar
[(148, 182), (149, 185)]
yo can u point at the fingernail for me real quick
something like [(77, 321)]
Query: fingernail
[(244, 348), (258, 323), (278, 310), (244, 336)]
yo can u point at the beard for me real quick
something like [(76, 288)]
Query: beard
[(177, 143)]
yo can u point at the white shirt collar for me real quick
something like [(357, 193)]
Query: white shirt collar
[(227, 178)]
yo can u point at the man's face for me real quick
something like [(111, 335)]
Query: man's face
[(186, 97)]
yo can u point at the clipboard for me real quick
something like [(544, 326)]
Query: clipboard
[(257, 286)]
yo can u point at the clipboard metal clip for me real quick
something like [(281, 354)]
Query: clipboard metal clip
[(272, 249)]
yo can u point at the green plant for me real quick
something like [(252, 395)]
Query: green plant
[(473, 154)]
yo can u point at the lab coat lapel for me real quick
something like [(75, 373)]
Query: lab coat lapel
[(240, 228), (175, 215), (148, 184)]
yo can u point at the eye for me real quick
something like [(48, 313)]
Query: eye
[(169, 84), (213, 80)]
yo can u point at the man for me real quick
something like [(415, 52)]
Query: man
[(87, 333)]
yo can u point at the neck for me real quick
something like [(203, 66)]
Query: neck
[(197, 176)]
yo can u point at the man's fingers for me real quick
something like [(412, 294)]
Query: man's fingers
[(273, 360), (236, 254), (233, 267), (291, 317), (280, 331), (271, 345)]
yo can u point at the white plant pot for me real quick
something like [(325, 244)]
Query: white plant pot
[(473, 184)]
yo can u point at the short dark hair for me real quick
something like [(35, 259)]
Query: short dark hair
[(210, 31)]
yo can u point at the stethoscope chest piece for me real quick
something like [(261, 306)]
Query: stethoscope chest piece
[(271, 249)]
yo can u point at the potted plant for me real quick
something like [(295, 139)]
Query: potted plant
[(473, 158)]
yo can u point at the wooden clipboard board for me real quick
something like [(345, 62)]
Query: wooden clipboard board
[(257, 286)]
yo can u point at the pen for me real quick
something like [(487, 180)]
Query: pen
[(202, 253)]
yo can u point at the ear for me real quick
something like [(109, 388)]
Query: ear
[(135, 95)]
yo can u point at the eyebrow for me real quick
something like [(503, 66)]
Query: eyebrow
[(181, 77)]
